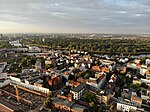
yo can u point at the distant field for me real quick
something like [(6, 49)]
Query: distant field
[(95, 43)]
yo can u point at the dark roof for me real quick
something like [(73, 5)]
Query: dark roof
[(9, 105), (78, 108), (68, 103), (58, 101), (78, 88), (63, 102), (71, 105)]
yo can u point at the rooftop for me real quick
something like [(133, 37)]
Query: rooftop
[(78, 108), (71, 105), (78, 88), (7, 104), (63, 102)]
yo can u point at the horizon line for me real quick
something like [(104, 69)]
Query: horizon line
[(75, 33)]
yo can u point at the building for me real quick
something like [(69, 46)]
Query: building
[(145, 81), (97, 83), (113, 78), (67, 74), (2, 66), (15, 43), (3, 76), (72, 83), (136, 100), (143, 71), (39, 83), (132, 65), (137, 61), (6, 106), (81, 80), (48, 62), (104, 98), (78, 91), (68, 106), (107, 62), (55, 82), (96, 68), (62, 104), (136, 81), (125, 93), (66, 97), (38, 65), (147, 61), (34, 49), (101, 69), (78, 108), (105, 69), (122, 69), (126, 107), (148, 75), (1, 35)]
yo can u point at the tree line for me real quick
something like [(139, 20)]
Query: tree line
[(95, 45)]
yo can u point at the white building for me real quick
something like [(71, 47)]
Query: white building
[(126, 107), (3, 75), (38, 65), (15, 43), (2, 66), (97, 83), (132, 65), (78, 91), (143, 71), (107, 62), (34, 49), (145, 81), (147, 61)]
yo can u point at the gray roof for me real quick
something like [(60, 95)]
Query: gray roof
[(58, 101), (78, 88), (71, 105), (39, 81), (78, 108), (9, 105), (63, 102), (68, 103)]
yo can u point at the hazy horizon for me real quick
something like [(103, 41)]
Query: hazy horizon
[(70, 16)]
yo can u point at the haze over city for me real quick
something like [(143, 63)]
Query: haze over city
[(75, 16), (74, 55)]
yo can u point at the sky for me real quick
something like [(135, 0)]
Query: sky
[(75, 16)]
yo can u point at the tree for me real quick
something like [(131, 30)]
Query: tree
[(86, 76), (135, 86), (48, 66), (48, 102), (144, 85), (89, 97), (92, 106)]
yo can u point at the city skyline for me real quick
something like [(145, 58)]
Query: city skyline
[(69, 16)]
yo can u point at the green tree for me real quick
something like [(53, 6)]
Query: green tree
[(86, 76), (92, 106), (135, 86), (89, 97), (48, 102)]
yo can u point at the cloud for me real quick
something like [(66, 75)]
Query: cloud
[(78, 15), (138, 15), (121, 12)]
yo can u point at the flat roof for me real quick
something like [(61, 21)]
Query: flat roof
[(78, 108), (8, 105), (78, 88)]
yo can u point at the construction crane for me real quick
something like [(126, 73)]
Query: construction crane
[(25, 89), (112, 107), (18, 97)]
